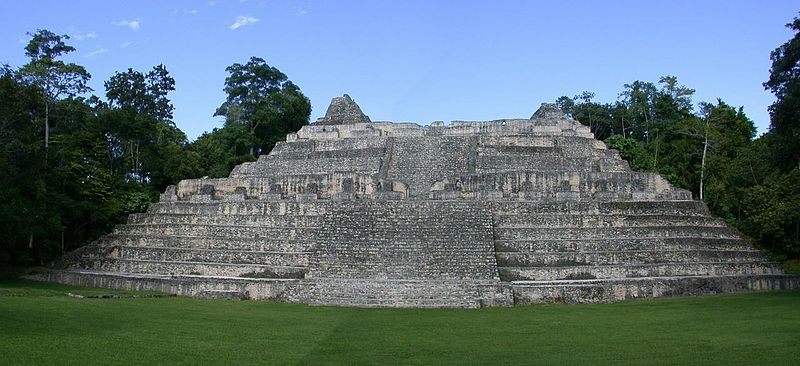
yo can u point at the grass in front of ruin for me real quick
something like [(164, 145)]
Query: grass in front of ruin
[(40, 324)]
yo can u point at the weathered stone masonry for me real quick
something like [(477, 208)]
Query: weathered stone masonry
[(489, 213)]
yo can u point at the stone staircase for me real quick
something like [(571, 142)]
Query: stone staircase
[(404, 254), (572, 253), (223, 241)]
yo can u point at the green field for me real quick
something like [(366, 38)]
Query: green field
[(40, 324)]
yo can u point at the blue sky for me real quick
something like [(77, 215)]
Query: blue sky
[(421, 61)]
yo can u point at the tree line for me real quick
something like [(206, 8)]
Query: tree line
[(751, 182), (74, 165)]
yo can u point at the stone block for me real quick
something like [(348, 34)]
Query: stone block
[(643, 196), (306, 197), (201, 198), (568, 196), (343, 196), (234, 197), (269, 196)]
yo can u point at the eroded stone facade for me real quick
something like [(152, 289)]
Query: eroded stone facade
[(477, 213)]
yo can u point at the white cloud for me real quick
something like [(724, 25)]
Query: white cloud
[(97, 52), (211, 3), (242, 21), (132, 24), (185, 11), (84, 36), (126, 44), (300, 11)]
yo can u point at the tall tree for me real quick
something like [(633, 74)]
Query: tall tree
[(21, 183), (265, 100), (143, 93), (142, 138), (726, 133), (54, 77), (784, 82), (638, 99)]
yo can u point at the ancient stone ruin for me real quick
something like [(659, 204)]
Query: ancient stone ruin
[(477, 213)]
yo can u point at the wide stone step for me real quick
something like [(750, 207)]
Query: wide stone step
[(620, 244), (441, 268), (222, 295), (619, 289), (498, 149), (637, 270), (190, 285), (572, 185), (216, 243), (217, 256), (344, 152), (284, 148), (401, 293), (220, 219), (316, 165), (625, 208), (543, 163), (400, 250), (538, 259), (200, 230), (535, 233), (246, 208), (201, 268), (572, 220)]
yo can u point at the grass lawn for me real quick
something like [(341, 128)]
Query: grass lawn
[(39, 324)]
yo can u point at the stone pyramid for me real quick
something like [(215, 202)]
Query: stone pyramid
[(477, 213)]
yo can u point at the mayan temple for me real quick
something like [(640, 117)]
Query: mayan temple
[(354, 212)]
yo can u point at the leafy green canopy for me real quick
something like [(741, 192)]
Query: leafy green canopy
[(102, 160), (784, 82), (265, 100), (711, 152)]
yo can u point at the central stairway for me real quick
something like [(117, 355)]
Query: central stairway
[(404, 254)]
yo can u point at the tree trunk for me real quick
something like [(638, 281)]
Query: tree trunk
[(703, 162), (46, 130), (655, 161)]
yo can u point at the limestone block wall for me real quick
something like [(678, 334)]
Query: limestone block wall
[(538, 126), (559, 186), (361, 156), (301, 186), (248, 239), (405, 240), (421, 161), (594, 240)]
